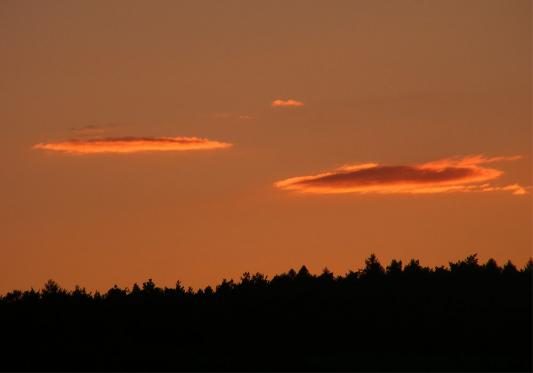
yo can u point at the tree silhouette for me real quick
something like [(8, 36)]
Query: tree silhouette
[(394, 268), (509, 269), (373, 268), (491, 268), (464, 317), (51, 288), (303, 273)]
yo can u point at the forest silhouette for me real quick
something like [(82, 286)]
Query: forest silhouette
[(465, 316)]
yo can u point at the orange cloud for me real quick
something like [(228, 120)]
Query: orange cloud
[(287, 103), (442, 176), (126, 145)]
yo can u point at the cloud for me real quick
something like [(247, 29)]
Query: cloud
[(126, 145), (91, 130), (287, 103), (442, 176), (231, 115)]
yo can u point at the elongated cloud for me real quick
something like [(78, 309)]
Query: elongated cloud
[(443, 176), (127, 145), (287, 103), (232, 116), (90, 130)]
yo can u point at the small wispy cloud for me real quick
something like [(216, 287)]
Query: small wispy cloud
[(443, 176), (232, 116), (90, 130), (287, 103), (128, 145)]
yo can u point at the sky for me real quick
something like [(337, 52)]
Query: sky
[(197, 140)]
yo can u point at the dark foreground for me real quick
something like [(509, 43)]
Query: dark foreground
[(466, 317)]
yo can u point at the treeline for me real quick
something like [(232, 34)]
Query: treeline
[(463, 317)]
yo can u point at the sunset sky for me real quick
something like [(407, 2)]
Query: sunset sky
[(197, 140)]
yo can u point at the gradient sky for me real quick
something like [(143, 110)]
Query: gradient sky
[(291, 89)]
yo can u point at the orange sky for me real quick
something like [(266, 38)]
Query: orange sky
[(156, 139)]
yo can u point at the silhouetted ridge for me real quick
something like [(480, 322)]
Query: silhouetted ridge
[(462, 317)]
